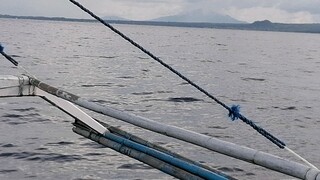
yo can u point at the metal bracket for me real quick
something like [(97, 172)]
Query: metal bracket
[(17, 86)]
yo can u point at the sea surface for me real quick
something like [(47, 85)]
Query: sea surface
[(273, 76)]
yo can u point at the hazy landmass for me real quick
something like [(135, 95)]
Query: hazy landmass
[(114, 18), (199, 16), (258, 25)]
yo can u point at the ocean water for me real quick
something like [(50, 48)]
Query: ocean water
[(273, 76)]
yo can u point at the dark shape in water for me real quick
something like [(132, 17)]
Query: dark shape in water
[(5, 171), (143, 93), (227, 169), (289, 108), (8, 145), (217, 127), (96, 85), (253, 79), (125, 77), (134, 166), (94, 154), (184, 99), (59, 143), (33, 156), (12, 115), (24, 109)]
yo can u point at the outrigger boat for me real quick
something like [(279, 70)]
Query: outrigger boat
[(142, 150)]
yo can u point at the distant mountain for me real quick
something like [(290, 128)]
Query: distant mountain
[(264, 25), (199, 16), (114, 18)]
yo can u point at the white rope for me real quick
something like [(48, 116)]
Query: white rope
[(25, 71), (301, 158)]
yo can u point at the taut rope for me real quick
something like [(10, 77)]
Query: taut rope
[(233, 111)]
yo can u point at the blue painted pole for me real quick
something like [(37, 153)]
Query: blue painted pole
[(140, 156), (192, 168)]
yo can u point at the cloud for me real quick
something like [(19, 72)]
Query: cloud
[(136, 10), (285, 11), (38, 8), (311, 6), (246, 10), (270, 13), (131, 9)]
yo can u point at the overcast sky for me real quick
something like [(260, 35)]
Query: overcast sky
[(285, 11)]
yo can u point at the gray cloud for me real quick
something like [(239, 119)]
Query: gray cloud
[(247, 10), (297, 11), (312, 6), (38, 8)]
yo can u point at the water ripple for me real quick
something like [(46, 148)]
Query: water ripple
[(253, 79), (184, 99), (5, 171), (134, 166), (97, 85), (24, 109), (9, 145), (42, 157), (61, 143)]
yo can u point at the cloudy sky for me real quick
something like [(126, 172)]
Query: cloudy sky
[(285, 11)]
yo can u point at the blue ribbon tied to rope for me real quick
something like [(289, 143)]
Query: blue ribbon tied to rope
[(234, 112), (7, 56)]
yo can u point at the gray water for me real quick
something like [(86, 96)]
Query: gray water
[(274, 77)]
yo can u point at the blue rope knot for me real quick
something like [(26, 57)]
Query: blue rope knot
[(1, 48), (234, 112)]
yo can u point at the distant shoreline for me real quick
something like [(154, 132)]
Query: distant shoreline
[(257, 26)]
